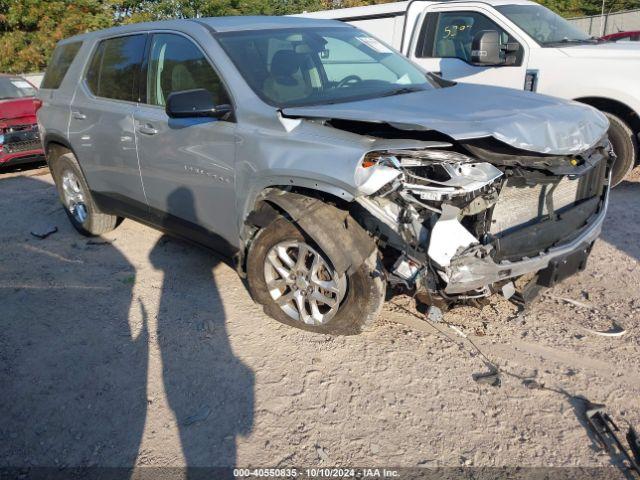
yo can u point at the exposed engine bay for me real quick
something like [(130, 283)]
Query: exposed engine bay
[(460, 222)]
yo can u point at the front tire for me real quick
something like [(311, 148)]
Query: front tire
[(625, 147), (295, 282), (79, 205)]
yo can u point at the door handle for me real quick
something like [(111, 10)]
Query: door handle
[(78, 115), (147, 129)]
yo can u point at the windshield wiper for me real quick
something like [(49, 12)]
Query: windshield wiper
[(401, 91), (572, 41)]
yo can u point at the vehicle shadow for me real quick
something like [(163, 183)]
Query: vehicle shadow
[(23, 167), (73, 344), (622, 225), (210, 391)]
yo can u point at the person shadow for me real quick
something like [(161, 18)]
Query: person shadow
[(73, 347), (209, 390)]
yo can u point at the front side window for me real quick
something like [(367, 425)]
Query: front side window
[(451, 34), (15, 87), (291, 67), (544, 26), (176, 64), (60, 62), (115, 67)]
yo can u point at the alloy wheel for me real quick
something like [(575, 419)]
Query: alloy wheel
[(74, 198), (302, 283)]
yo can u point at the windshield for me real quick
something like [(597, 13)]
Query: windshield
[(294, 67), (546, 27), (15, 87)]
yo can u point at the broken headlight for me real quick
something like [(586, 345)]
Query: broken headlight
[(432, 175)]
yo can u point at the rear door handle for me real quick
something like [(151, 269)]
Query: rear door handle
[(147, 129), (78, 115)]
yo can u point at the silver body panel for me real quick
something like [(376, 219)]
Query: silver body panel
[(190, 154), (102, 135)]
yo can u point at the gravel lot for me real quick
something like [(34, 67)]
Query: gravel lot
[(138, 349)]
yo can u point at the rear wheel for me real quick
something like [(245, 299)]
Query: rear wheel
[(76, 198), (624, 145), (297, 285)]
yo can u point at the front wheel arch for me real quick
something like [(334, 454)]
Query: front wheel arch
[(628, 119), (337, 233), (615, 107)]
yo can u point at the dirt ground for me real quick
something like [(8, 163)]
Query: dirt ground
[(138, 349)]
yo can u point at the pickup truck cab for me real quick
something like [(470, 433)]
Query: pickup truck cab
[(516, 44), (326, 165)]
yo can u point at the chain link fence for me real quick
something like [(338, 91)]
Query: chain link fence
[(599, 25)]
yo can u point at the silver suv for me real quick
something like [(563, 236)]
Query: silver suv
[(332, 170)]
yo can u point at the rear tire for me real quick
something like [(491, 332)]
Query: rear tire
[(360, 304), (625, 147), (85, 216)]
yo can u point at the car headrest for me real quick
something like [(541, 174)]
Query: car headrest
[(285, 63)]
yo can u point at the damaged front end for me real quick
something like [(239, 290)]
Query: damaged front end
[(460, 222)]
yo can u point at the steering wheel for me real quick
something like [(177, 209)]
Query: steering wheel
[(349, 79)]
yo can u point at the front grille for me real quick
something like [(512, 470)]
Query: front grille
[(20, 139), (22, 146)]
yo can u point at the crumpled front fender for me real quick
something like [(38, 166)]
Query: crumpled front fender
[(346, 244)]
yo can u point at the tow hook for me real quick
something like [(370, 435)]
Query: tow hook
[(523, 296)]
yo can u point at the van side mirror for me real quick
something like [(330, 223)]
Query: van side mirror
[(194, 103), (486, 48)]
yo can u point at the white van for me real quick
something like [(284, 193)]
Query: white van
[(517, 44)]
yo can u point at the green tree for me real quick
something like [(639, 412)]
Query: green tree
[(29, 29)]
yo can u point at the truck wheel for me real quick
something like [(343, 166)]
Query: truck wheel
[(76, 198), (625, 147), (297, 285)]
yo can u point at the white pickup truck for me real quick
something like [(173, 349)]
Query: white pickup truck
[(515, 44)]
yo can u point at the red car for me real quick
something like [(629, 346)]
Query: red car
[(19, 137), (623, 37)]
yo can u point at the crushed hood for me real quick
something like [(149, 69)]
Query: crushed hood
[(524, 120)]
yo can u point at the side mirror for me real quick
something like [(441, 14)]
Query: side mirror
[(194, 103), (486, 48)]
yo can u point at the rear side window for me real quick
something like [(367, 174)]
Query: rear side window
[(60, 62), (115, 66)]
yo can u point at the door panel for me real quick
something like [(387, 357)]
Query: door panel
[(101, 128), (445, 46), (187, 165), (187, 169)]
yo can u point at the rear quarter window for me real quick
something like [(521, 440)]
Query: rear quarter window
[(114, 68), (60, 62)]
